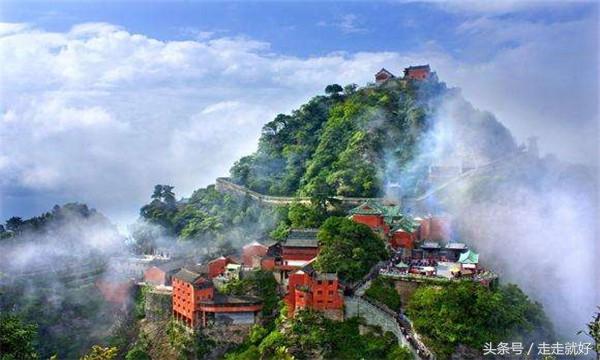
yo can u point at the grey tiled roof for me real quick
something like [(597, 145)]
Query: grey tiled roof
[(302, 238)]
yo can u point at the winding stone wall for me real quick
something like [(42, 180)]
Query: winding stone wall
[(226, 186), (356, 306)]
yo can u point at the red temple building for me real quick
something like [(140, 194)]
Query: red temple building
[(401, 238), (196, 303), (253, 253), (420, 72), (371, 214), (400, 231), (383, 75), (161, 274), (217, 266), (299, 248), (309, 289)]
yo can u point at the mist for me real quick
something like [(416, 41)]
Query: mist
[(51, 273), (532, 219)]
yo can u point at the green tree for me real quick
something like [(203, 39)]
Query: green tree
[(258, 283), (384, 291), (17, 339), (348, 248), (14, 224), (470, 314), (593, 331), (305, 216), (333, 89), (98, 352)]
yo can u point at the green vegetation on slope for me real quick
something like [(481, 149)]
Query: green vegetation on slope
[(336, 145), (383, 290), (470, 314), (309, 335), (348, 248), (206, 216), (257, 283), (50, 220), (17, 339)]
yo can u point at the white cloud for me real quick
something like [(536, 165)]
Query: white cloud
[(346, 23), (113, 113), (100, 115)]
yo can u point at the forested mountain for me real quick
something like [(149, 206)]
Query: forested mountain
[(355, 140)]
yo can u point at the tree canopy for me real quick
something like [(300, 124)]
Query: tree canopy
[(348, 248), (470, 314), (17, 339)]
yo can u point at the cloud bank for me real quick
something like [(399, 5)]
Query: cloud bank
[(99, 114)]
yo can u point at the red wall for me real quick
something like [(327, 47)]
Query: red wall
[(402, 239), (291, 253), (249, 251), (303, 299), (326, 295), (417, 74), (322, 294), (267, 264), (155, 276), (373, 221), (217, 266), (186, 300)]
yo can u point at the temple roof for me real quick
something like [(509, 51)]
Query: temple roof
[(170, 266), (418, 67), (310, 270), (302, 238), (405, 224), (187, 276), (369, 207), (384, 71), (469, 257), (430, 245), (254, 243), (456, 246), (222, 299)]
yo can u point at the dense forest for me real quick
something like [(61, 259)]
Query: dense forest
[(353, 141)]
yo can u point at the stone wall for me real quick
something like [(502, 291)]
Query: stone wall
[(356, 306), (388, 320), (226, 186), (158, 305)]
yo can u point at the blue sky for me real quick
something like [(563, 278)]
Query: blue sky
[(293, 28), (99, 101)]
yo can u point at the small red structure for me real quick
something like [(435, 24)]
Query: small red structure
[(383, 75), (420, 72), (370, 214), (400, 238), (309, 289), (196, 302), (267, 263), (299, 248), (217, 266), (161, 274), (252, 251)]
